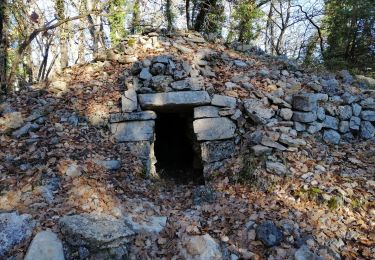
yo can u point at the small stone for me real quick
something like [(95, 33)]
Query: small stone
[(260, 150), (161, 83), (157, 69), (346, 77), (314, 127), (10, 121), (355, 123), (200, 247), (321, 113), (276, 168), (203, 194), (224, 101), (368, 103), (367, 130), (111, 165), (349, 98), (303, 253), (331, 122), (304, 117), (240, 64), (344, 112), (217, 150), (269, 234), (368, 115), (258, 111), (299, 127), (145, 74), (45, 246), (356, 109), (266, 141), (286, 139), (305, 102), (286, 114), (344, 127), (181, 84), (331, 136), (161, 59)]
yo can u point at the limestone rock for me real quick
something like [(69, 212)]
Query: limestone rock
[(344, 112), (276, 168), (267, 141), (331, 122), (45, 246), (260, 150), (200, 248), (145, 74), (257, 111), (217, 150), (10, 121), (135, 116), (174, 99), (148, 224), (95, 231), (368, 103), (161, 82), (286, 114), (208, 129), (129, 101), (368, 115), (344, 127), (367, 130), (304, 117), (286, 139), (356, 109), (14, 229), (331, 136), (110, 165), (158, 69), (223, 101), (303, 253), (355, 123), (305, 102), (206, 112), (133, 131)]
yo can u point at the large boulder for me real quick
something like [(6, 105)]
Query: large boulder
[(14, 229), (174, 99), (45, 246)]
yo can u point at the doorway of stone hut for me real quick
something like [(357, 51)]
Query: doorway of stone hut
[(177, 150)]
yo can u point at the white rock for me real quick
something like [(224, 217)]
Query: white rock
[(200, 248), (45, 246)]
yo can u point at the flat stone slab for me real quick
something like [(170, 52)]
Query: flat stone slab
[(135, 116), (206, 112), (208, 129), (45, 246), (174, 99), (224, 101), (133, 131)]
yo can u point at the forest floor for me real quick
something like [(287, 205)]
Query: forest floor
[(327, 203)]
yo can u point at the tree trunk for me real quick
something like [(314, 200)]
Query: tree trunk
[(187, 7), (3, 47), (136, 17), (203, 11), (64, 55)]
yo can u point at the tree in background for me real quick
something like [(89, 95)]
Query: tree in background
[(350, 26), (136, 20), (3, 46), (64, 34), (244, 16), (117, 21), (170, 16)]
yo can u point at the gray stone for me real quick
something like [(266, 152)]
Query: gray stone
[(368, 103), (367, 130), (14, 229), (157, 69), (337, 100), (286, 114), (300, 127), (368, 115), (331, 136), (206, 112), (321, 97), (331, 122), (133, 131), (344, 127), (161, 59), (276, 168), (355, 123), (370, 82), (278, 101), (58, 85), (346, 77), (290, 141), (269, 234), (129, 102), (314, 127), (349, 98), (344, 112), (330, 86), (45, 246), (321, 113), (95, 232), (303, 253), (304, 117), (305, 102), (182, 48), (356, 109), (208, 129), (174, 99), (10, 121), (181, 84), (217, 150), (258, 111), (135, 116), (266, 141), (161, 83), (199, 248), (147, 224), (224, 101), (240, 64), (25, 130), (179, 74), (145, 74), (260, 150), (110, 165)]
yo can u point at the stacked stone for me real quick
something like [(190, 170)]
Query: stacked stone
[(338, 117), (166, 84)]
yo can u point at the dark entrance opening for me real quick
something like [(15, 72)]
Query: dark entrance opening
[(176, 148)]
